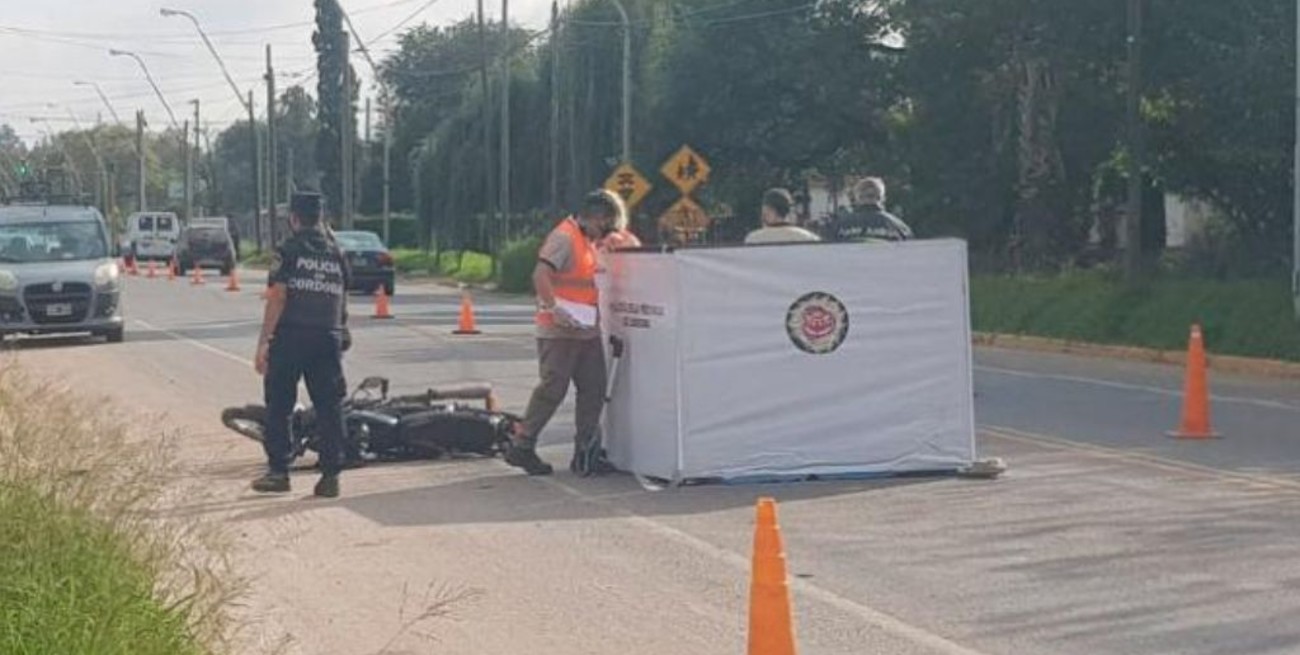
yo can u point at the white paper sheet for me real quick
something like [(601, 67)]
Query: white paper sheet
[(585, 315)]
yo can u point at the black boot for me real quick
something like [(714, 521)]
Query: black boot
[(328, 486), (526, 458), (272, 483)]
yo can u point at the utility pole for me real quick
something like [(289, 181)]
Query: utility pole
[(272, 167), (197, 151), (347, 134), (1295, 217), (555, 106), (503, 226), (257, 172), (490, 196), (289, 185), (386, 108), (1133, 224), (143, 202), (388, 155), (627, 81), (189, 171)]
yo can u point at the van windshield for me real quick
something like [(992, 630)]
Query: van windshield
[(23, 243)]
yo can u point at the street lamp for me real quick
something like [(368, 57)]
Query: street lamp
[(103, 97), (252, 120), (156, 90)]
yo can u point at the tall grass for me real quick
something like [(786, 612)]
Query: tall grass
[(85, 564), (1250, 318)]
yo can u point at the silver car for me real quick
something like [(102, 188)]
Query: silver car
[(57, 275)]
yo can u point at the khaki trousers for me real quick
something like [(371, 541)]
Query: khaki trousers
[(581, 361)]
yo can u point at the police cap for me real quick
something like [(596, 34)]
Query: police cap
[(306, 205)]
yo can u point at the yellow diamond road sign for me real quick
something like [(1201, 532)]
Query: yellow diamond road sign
[(629, 184), (686, 170), (685, 216)]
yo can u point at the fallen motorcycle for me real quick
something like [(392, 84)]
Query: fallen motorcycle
[(378, 427)]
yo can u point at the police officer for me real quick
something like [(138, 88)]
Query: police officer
[(869, 221), (304, 335)]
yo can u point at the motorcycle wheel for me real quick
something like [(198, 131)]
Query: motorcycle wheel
[(249, 420)]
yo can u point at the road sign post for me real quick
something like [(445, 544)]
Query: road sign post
[(628, 183), (686, 170)]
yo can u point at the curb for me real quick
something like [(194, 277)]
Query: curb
[(1270, 368)]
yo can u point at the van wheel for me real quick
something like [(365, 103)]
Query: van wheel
[(116, 336)]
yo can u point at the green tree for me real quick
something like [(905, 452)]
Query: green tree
[(336, 103)]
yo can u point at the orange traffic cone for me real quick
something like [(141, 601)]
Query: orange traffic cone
[(771, 626), (1196, 393), (153, 272), (171, 270), (130, 266), (233, 285), (381, 304), (197, 276), (466, 325)]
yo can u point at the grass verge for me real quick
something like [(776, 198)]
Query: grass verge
[(1248, 318), (472, 267), (85, 564)]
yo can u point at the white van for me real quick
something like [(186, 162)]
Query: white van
[(153, 235)]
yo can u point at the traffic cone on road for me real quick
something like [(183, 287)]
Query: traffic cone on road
[(197, 276), (153, 272), (1196, 393), (771, 624), (381, 304), (171, 270), (467, 324), (233, 285)]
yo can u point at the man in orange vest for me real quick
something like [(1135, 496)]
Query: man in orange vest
[(568, 335)]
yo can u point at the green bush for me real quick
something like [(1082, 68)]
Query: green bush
[(70, 584), (472, 267), (408, 260), (517, 263), (1252, 318)]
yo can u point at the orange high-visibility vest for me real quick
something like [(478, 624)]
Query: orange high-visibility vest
[(578, 284)]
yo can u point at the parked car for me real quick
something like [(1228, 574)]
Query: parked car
[(57, 275), (153, 235), (205, 246), (372, 264)]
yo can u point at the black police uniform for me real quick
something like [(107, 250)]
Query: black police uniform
[(309, 342), (868, 222)]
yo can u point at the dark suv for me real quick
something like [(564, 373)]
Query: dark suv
[(205, 246)]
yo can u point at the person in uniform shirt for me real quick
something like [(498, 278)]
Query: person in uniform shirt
[(304, 335), (869, 221), (778, 221), (569, 345)]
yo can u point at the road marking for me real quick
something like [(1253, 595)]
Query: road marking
[(197, 344), (1172, 393), (1141, 459), (885, 622)]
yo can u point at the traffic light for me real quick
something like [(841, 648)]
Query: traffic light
[(23, 169)]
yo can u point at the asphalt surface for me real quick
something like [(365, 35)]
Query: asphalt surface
[(1105, 536)]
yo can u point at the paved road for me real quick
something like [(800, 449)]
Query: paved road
[(1105, 537)]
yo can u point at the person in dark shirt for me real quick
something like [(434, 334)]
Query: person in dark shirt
[(868, 221), (304, 335)]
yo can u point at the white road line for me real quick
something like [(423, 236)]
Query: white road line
[(197, 344), (1172, 393), (1140, 459), (885, 622)]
